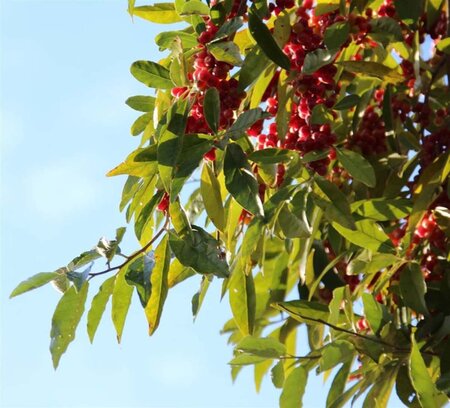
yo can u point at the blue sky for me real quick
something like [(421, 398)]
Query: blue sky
[(65, 77)]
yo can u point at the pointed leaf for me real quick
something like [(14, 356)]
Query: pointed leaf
[(151, 74), (33, 282), (263, 347), (98, 306), (160, 286), (243, 300), (240, 180), (212, 198), (162, 13), (294, 388), (211, 108), (413, 288), (65, 320), (265, 40), (358, 167), (317, 59), (121, 299)]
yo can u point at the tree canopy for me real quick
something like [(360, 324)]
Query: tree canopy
[(297, 154)]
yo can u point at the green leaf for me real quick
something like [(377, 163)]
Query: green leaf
[(121, 299), (339, 382), (277, 374), (65, 320), (141, 123), (409, 10), (304, 311), (151, 74), (243, 122), (376, 314), (263, 347), (271, 155), (373, 69), (165, 40), (98, 306), (194, 7), (420, 378), (294, 388), (339, 351), (387, 28), (179, 219), (291, 222), (171, 142), (383, 209), (197, 299), (192, 152), (144, 219), (317, 59), (178, 273), (358, 167), (255, 63), (368, 235), (160, 286), (246, 359), (265, 40), (346, 102), (212, 198), (326, 6), (138, 275), (413, 288), (33, 282), (243, 300), (240, 180), (337, 208), (336, 35), (229, 27), (141, 103), (162, 13), (226, 51), (444, 45), (211, 108), (200, 251)]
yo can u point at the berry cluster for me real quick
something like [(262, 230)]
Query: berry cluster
[(370, 138)]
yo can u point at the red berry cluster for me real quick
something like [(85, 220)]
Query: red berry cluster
[(370, 139)]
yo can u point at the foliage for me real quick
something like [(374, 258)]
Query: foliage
[(318, 133)]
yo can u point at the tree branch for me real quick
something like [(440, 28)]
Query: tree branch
[(136, 254)]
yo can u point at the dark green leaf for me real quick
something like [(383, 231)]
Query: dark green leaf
[(387, 28), (376, 314), (265, 40), (98, 306), (255, 63), (339, 351), (65, 320), (211, 108), (347, 102), (358, 167), (151, 74), (200, 251), (413, 288), (271, 155), (336, 35), (34, 282), (138, 275), (229, 27), (240, 180), (339, 382), (383, 209), (317, 59), (243, 122)]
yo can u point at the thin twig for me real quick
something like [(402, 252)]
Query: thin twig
[(137, 253)]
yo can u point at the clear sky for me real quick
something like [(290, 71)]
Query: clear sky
[(64, 79)]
